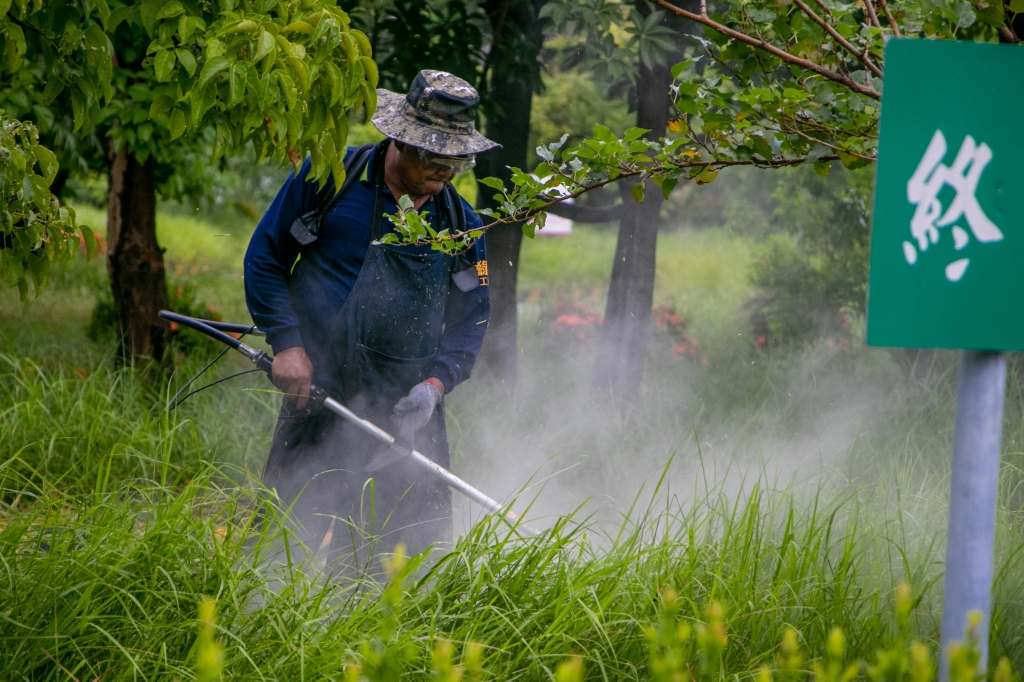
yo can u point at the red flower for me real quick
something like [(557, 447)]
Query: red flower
[(666, 317), (572, 320)]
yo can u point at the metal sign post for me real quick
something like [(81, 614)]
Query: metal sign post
[(972, 498), (946, 254)]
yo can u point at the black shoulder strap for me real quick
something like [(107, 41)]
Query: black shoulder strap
[(353, 171), (306, 227), (456, 212), (378, 194)]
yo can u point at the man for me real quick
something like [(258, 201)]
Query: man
[(388, 329)]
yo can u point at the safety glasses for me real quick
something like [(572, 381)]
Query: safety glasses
[(439, 162)]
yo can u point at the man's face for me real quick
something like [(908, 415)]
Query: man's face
[(417, 178)]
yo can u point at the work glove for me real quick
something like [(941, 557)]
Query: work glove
[(416, 408)]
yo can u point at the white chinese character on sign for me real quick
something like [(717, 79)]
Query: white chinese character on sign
[(923, 191)]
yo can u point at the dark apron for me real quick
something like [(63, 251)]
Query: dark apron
[(380, 345)]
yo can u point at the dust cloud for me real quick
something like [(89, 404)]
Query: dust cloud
[(554, 445)]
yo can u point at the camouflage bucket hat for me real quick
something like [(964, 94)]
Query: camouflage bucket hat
[(438, 115)]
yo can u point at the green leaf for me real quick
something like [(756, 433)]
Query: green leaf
[(603, 133), (187, 60), (667, 186), (161, 104), (317, 119), (851, 161), (41, 190), (370, 69), (177, 124), (822, 168), (529, 229), (78, 108), (761, 147), (637, 191), (163, 65), (185, 28), (706, 176), (212, 68), (236, 84), (28, 190), (964, 14), (370, 98), (635, 133), (170, 10), (993, 16), (54, 86), (102, 8), (47, 161), (680, 67), (90, 241), (686, 105), (492, 182), (118, 15), (265, 45), (336, 81), (1017, 6), (15, 45), (300, 71)]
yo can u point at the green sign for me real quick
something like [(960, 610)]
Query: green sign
[(947, 243)]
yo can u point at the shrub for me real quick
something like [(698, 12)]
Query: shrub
[(812, 268)]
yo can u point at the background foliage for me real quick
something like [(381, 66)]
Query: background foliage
[(182, 83)]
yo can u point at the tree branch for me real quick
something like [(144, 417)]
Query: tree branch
[(705, 20), (870, 6), (810, 138), (526, 214), (888, 17), (838, 38), (589, 214)]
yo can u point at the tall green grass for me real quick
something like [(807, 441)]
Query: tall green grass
[(796, 490), (77, 429), (108, 585)]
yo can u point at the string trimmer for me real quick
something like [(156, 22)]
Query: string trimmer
[(398, 448)]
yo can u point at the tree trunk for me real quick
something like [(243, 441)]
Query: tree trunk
[(626, 328), (135, 262), (514, 74)]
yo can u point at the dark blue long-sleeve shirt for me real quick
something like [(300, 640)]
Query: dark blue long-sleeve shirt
[(295, 303)]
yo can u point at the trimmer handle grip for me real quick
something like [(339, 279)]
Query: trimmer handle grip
[(265, 363)]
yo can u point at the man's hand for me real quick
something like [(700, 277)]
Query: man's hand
[(416, 408), (293, 373)]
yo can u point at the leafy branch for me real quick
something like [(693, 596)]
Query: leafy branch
[(35, 230), (595, 163), (773, 84)]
